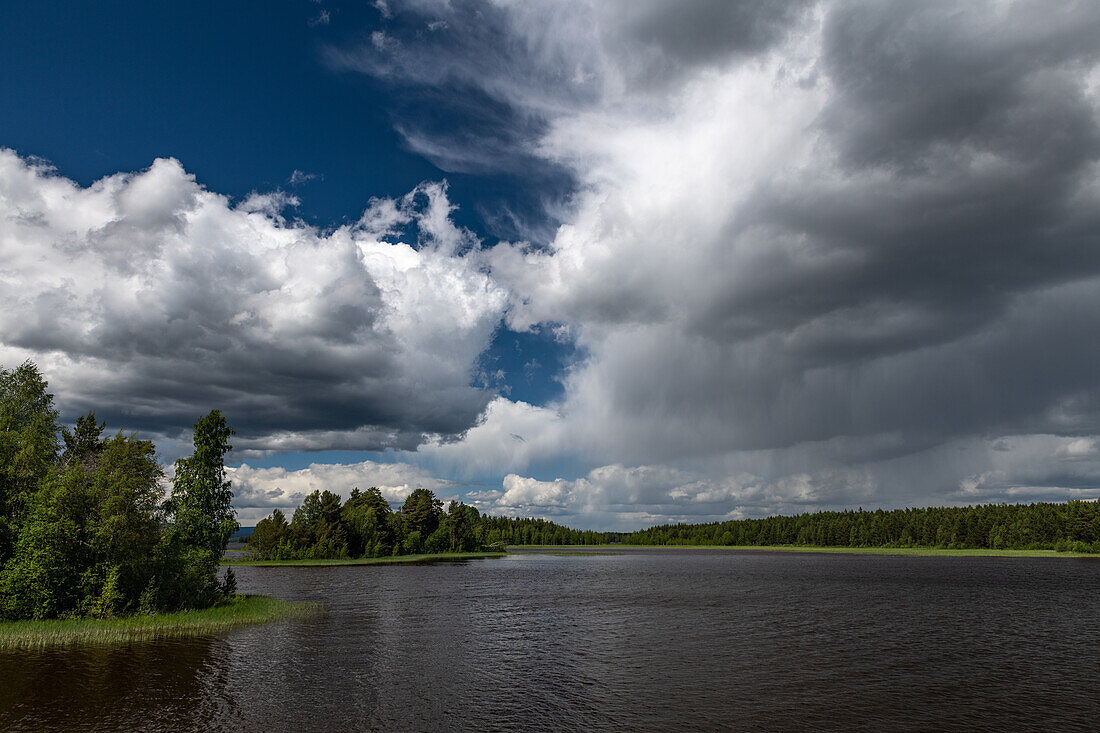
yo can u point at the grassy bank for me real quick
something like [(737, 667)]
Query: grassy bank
[(914, 551), (440, 556), (242, 611)]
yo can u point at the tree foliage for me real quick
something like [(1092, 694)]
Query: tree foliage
[(366, 526), (85, 531), (28, 446), (422, 512), (1074, 526), (372, 529), (200, 521)]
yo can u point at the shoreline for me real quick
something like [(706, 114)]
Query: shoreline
[(390, 560), (834, 550), (242, 611)]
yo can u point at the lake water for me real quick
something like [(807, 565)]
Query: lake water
[(639, 640)]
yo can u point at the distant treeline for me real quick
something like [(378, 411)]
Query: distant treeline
[(540, 532), (84, 527), (1073, 526), (365, 525)]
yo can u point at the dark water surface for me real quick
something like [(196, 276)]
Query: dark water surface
[(641, 640)]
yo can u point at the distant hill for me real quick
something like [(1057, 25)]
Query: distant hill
[(242, 533)]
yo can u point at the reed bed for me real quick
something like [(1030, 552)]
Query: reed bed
[(241, 611), (389, 560)]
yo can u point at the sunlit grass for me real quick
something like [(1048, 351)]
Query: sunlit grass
[(241, 611), (435, 557)]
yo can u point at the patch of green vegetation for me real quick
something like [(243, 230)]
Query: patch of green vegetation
[(85, 528), (241, 611), (421, 558)]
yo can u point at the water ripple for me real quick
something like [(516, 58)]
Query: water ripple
[(653, 640)]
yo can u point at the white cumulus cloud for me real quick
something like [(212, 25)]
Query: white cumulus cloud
[(151, 299), (258, 491)]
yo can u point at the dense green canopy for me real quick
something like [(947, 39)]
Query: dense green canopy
[(370, 529), (84, 530), (366, 526), (1073, 526)]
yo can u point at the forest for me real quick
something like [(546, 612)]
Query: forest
[(365, 526), (325, 527), (1073, 526), (85, 527)]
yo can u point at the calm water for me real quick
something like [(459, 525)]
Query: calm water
[(656, 640)]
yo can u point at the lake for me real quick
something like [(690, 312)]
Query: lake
[(631, 640)]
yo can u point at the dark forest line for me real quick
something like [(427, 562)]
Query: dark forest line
[(365, 526), (1067, 527)]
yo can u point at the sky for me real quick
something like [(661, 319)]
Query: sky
[(612, 263)]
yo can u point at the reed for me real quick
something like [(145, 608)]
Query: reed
[(423, 558), (241, 611)]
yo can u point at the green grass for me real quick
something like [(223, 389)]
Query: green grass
[(241, 611), (914, 551), (436, 557)]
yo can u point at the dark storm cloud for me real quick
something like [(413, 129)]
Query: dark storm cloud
[(911, 260), (965, 141), (910, 77), (700, 32), (918, 284), (833, 246)]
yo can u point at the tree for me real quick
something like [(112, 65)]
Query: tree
[(462, 523), (1083, 520), (201, 520), (28, 446), (84, 442), (41, 579), (268, 535), (317, 529), (124, 532), (369, 521), (422, 512), (85, 548), (201, 495)]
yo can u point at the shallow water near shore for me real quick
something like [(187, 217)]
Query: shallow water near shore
[(623, 640)]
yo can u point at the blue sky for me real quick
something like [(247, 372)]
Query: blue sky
[(242, 96), (609, 263), (240, 93)]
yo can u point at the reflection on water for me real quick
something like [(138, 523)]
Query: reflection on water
[(111, 687), (631, 640)]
